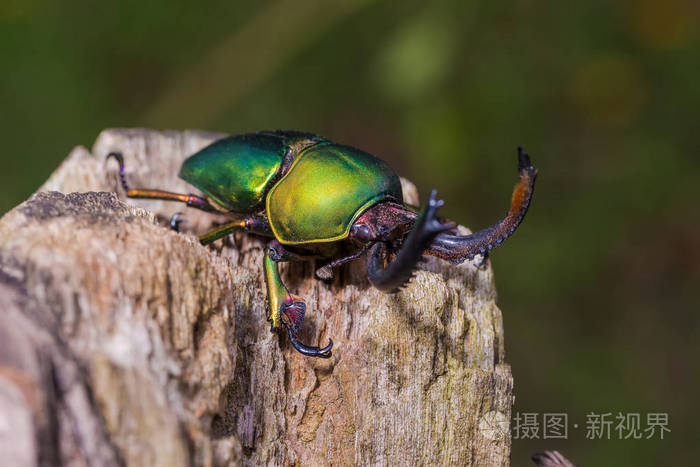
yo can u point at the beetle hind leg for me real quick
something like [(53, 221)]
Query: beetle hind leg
[(286, 309), (190, 200), (175, 221)]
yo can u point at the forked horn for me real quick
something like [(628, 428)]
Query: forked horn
[(458, 248)]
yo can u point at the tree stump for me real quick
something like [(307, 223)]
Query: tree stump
[(123, 342)]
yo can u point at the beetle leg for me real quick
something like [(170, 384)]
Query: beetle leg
[(250, 224), (287, 309), (310, 351), (190, 200), (175, 221), (391, 277), (484, 261), (458, 248), (221, 231), (326, 272)]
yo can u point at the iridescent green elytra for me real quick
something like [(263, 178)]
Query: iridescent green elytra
[(235, 172), (316, 200)]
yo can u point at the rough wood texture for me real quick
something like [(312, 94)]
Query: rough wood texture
[(124, 342)]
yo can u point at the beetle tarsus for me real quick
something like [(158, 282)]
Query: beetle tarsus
[(120, 159), (190, 200), (309, 351), (292, 314), (326, 272), (176, 220), (484, 261)]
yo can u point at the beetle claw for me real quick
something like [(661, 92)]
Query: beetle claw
[(484, 261), (120, 159), (175, 221), (432, 225), (309, 351), (292, 314)]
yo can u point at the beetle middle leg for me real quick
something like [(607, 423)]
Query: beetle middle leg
[(250, 224), (190, 200), (286, 309)]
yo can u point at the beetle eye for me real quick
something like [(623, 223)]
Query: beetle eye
[(361, 232)]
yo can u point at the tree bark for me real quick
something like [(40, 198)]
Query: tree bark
[(122, 342)]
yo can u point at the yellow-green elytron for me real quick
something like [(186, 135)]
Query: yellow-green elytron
[(327, 187)]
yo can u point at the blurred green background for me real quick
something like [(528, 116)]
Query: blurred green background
[(599, 287)]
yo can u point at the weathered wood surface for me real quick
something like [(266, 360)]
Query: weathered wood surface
[(124, 342)]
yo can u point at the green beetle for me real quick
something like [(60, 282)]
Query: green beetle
[(318, 199)]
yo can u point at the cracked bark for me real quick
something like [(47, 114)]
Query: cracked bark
[(122, 342)]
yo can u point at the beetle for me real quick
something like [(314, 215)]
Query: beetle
[(314, 198)]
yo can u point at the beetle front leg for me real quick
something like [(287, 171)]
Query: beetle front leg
[(287, 309), (398, 272)]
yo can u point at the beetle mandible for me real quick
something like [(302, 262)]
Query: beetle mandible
[(310, 196)]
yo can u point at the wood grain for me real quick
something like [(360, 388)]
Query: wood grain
[(123, 342)]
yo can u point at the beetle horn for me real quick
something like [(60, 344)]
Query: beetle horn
[(458, 248), (391, 277)]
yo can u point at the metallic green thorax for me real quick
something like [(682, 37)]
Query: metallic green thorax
[(235, 172), (325, 190)]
